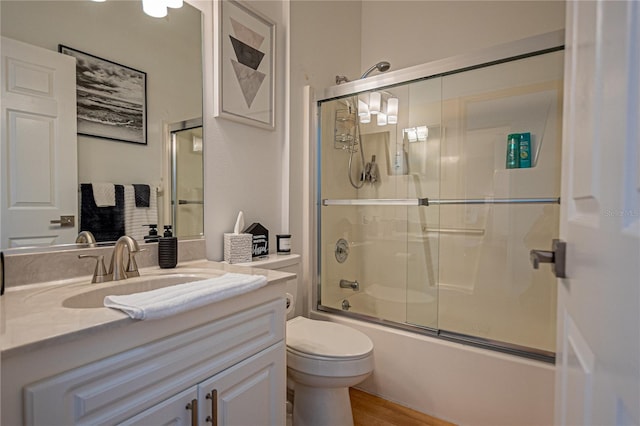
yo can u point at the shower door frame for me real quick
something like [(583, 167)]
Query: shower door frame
[(519, 49)]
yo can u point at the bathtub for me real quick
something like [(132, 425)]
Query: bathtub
[(455, 382), (393, 304)]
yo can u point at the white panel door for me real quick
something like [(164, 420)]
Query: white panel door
[(39, 177), (598, 355)]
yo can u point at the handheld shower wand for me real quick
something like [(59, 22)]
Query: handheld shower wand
[(383, 66), (380, 66)]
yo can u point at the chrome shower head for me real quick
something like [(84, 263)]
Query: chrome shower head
[(380, 66)]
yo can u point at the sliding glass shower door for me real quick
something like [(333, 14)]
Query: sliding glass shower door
[(426, 219), (487, 286)]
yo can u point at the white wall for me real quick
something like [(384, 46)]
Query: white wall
[(325, 42), (408, 33), (243, 164)]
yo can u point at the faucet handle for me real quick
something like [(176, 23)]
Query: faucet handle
[(100, 273), (132, 266)]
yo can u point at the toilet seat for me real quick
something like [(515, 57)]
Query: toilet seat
[(324, 340)]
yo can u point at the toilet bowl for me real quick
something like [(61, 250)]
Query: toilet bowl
[(323, 360)]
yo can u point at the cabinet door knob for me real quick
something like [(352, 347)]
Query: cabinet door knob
[(193, 406)]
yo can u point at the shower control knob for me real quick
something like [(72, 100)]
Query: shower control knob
[(556, 257), (342, 250)]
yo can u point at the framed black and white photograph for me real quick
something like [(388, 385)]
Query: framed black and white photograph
[(246, 65), (112, 98)]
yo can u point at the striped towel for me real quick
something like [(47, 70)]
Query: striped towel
[(164, 302), (136, 217)]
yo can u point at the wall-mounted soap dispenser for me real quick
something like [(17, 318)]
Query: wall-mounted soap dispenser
[(167, 249)]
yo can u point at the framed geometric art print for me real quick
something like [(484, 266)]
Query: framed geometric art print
[(246, 65)]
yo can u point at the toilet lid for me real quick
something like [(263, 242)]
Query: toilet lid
[(324, 338)]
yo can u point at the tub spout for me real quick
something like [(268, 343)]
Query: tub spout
[(354, 285)]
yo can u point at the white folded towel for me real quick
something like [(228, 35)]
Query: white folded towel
[(164, 302), (104, 194)]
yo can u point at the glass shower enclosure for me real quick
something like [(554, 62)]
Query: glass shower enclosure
[(187, 182), (432, 191)]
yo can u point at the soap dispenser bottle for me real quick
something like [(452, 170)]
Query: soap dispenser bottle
[(152, 237), (167, 249)]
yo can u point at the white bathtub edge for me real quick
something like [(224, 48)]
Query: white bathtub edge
[(455, 382)]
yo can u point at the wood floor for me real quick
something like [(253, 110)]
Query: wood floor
[(370, 410)]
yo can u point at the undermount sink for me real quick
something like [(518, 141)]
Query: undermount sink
[(95, 298)]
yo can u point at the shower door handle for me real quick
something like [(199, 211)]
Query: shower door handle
[(556, 257)]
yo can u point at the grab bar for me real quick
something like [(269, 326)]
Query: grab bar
[(429, 202), (466, 231)]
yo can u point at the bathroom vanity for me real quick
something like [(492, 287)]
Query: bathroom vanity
[(66, 360)]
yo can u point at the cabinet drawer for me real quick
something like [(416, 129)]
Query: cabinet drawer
[(115, 388)]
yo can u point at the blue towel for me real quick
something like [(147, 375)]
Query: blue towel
[(105, 223), (142, 194)]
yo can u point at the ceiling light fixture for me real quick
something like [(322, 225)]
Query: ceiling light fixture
[(377, 103), (392, 110), (155, 8), (174, 4), (374, 103), (416, 134)]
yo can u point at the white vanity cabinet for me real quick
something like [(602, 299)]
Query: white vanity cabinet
[(241, 357), (249, 393), (177, 410)]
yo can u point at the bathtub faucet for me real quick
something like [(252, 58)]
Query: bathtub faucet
[(354, 285)]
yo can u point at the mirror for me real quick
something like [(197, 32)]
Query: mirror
[(168, 50)]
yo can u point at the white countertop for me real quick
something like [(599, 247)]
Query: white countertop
[(34, 315)]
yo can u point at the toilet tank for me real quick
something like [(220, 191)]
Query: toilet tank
[(284, 263)]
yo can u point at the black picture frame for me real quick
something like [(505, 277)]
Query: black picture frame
[(111, 98)]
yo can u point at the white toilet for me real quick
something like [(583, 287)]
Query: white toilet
[(323, 360)]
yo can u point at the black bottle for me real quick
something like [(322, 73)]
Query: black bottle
[(167, 249), (153, 234)]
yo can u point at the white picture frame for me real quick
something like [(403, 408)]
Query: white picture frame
[(245, 69)]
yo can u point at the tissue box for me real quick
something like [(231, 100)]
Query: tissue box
[(238, 247)]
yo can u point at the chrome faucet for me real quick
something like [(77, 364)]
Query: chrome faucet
[(354, 285), (117, 267), (100, 274)]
